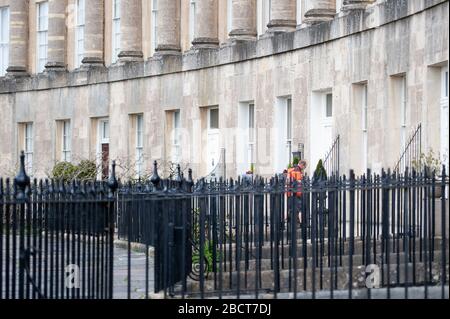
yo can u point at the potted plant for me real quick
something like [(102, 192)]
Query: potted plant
[(431, 163), (320, 173)]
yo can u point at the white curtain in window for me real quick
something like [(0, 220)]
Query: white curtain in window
[(4, 40), (79, 45), (42, 35), (116, 31), (154, 25)]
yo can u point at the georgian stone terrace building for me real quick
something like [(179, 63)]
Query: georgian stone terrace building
[(179, 80)]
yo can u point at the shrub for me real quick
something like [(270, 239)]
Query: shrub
[(320, 173), (64, 171), (296, 161), (87, 170)]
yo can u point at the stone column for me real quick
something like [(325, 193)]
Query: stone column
[(93, 33), (244, 20), (282, 16), (131, 31), (56, 55), (319, 11), (168, 23), (18, 33), (206, 27), (355, 4)]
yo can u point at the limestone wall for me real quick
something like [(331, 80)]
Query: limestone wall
[(388, 39)]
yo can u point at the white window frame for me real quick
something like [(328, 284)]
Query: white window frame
[(66, 141), (229, 16), (364, 126), (192, 19), (101, 139), (154, 26), (284, 132), (444, 148), (116, 35), (299, 12), (263, 15), (289, 127), (28, 146), (42, 36), (79, 32), (251, 133), (4, 39), (213, 134), (403, 110), (139, 144), (338, 6), (176, 137), (104, 127)]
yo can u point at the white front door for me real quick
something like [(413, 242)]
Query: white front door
[(103, 149), (213, 140), (444, 118), (283, 137), (321, 127)]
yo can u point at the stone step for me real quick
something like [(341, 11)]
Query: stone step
[(266, 264), (286, 278), (343, 247)]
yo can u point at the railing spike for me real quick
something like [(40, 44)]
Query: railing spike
[(112, 182), (22, 180)]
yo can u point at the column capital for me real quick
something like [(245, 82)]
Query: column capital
[(168, 24), (318, 11), (56, 35), (206, 28), (283, 16), (93, 34), (18, 34), (243, 20), (349, 5), (131, 31)]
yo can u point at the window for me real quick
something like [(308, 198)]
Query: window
[(79, 45), (104, 131), (28, 144), (364, 125), (444, 90), (214, 118), (4, 40), (338, 6), (229, 16), (283, 124), (444, 148), (154, 24), (139, 144), (299, 12), (263, 18), (192, 16), (329, 106), (251, 133), (116, 31), (66, 142), (176, 137), (103, 148), (42, 35), (289, 127), (403, 110)]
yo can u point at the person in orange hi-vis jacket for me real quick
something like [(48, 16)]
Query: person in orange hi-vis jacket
[(296, 174)]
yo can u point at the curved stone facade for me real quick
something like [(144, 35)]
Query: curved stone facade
[(375, 47)]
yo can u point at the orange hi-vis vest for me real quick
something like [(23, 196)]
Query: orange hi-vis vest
[(297, 176)]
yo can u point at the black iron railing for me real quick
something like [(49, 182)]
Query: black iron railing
[(411, 152), (331, 161), (382, 236), (253, 238), (56, 239)]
